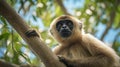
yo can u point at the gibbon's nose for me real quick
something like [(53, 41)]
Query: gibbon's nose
[(64, 26)]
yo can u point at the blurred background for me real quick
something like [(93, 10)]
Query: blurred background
[(101, 18)]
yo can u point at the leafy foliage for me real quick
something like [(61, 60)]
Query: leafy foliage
[(99, 17)]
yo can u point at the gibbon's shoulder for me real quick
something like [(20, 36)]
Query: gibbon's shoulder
[(94, 42), (90, 37)]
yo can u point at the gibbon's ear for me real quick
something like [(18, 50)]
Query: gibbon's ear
[(80, 25)]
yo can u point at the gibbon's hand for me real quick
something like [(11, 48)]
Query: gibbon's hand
[(65, 60)]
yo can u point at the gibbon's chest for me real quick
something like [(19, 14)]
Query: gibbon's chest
[(75, 51)]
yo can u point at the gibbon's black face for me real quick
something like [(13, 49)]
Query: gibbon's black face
[(64, 27)]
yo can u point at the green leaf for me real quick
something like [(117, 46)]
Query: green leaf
[(4, 36)]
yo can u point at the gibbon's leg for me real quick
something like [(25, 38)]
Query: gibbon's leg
[(98, 61)]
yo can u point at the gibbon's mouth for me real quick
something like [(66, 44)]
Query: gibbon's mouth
[(65, 33)]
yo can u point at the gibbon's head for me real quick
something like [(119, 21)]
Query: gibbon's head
[(66, 28)]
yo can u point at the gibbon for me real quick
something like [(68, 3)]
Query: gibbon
[(79, 49)]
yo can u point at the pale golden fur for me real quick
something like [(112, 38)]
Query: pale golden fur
[(83, 49)]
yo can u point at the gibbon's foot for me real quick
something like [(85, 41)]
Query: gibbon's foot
[(64, 61), (31, 33)]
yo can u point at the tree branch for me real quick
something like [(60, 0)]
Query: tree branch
[(6, 64), (37, 45), (109, 24), (116, 37), (62, 6)]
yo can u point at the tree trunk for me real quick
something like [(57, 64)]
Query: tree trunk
[(37, 45)]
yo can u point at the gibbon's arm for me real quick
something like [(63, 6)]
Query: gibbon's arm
[(57, 49), (102, 55)]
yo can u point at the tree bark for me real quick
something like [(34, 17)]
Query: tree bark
[(6, 64), (37, 45)]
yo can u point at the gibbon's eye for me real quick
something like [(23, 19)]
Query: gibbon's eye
[(69, 23), (59, 25)]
